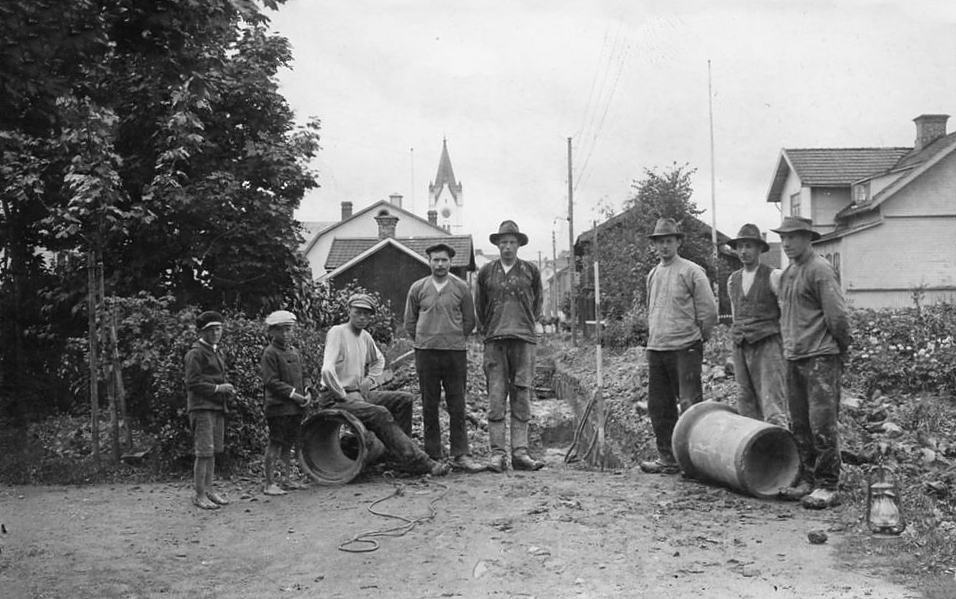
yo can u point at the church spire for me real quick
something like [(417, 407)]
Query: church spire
[(444, 195), (446, 175)]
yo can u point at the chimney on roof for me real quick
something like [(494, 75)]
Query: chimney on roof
[(395, 199), (433, 217), (929, 128), (386, 224), (346, 210)]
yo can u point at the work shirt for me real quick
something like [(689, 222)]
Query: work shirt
[(204, 369), (350, 356), (681, 309), (508, 304), (439, 319), (281, 371), (814, 320)]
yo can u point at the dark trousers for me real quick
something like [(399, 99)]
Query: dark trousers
[(813, 395), (446, 369), (673, 386), (388, 414)]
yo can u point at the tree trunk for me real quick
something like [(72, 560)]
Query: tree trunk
[(94, 375), (119, 389)]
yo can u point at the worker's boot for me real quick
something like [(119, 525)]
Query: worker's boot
[(496, 439), (520, 459)]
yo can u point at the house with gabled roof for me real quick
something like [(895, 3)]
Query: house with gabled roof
[(887, 216), (382, 248)]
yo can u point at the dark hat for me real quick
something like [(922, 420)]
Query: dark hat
[(208, 319), (666, 227), (362, 300), (440, 247), (792, 224), (509, 227), (749, 232)]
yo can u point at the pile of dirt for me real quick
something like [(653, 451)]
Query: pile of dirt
[(914, 435)]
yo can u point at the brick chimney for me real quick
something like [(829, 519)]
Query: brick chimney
[(433, 217), (929, 128), (386, 224), (346, 210), (395, 199)]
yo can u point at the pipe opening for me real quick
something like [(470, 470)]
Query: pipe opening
[(769, 462), (333, 448)]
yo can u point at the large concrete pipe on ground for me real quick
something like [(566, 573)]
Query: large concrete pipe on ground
[(335, 447), (712, 441)]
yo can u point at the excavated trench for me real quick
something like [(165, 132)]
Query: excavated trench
[(561, 401)]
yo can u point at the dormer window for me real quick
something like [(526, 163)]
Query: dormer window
[(861, 193)]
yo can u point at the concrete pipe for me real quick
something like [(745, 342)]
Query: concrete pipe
[(334, 447), (712, 441)]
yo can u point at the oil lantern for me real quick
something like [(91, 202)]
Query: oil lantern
[(883, 508)]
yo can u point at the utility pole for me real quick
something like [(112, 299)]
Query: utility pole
[(572, 316), (554, 275), (713, 188)]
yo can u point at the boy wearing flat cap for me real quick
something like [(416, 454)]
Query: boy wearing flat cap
[(439, 316), (207, 397), (816, 336), (352, 366), (758, 349), (286, 399)]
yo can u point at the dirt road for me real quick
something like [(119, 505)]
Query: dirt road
[(561, 532)]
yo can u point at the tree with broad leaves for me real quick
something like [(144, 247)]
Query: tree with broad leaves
[(626, 255), (155, 132)]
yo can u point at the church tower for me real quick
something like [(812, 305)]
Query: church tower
[(444, 195)]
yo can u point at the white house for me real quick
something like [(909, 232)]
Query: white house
[(887, 215)]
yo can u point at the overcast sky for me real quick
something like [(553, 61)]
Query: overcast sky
[(507, 82)]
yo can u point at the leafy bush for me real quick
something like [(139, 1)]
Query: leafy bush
[(629, 331), (911, 349), (153, 339)]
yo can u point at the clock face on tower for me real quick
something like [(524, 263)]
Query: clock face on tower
[(445, 212)]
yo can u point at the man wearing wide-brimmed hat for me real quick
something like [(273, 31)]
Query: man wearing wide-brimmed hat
[(439, 316), (758, 349), (681, 314), (816, 335), (508, 304)]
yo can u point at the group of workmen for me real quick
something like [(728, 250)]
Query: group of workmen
[(440, 314), (790, 332)]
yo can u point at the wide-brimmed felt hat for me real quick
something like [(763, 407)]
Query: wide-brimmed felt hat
[(509, 227), (792, 224), (280, 317), (208, 319), (362, 300), (440, 247), (666, 227), (750, 232)]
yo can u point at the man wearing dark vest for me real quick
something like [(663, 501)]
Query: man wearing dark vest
[(758, 349)]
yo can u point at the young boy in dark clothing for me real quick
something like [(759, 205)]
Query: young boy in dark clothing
[(207, 394), (286, 399)]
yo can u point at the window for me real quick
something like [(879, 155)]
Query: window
[(795, 204), (860, 193)]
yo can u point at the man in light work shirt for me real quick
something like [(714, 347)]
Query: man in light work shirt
[(508, 304), (439, 316), (352, 367), (758, 349), (816, 336), (681, 314)]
